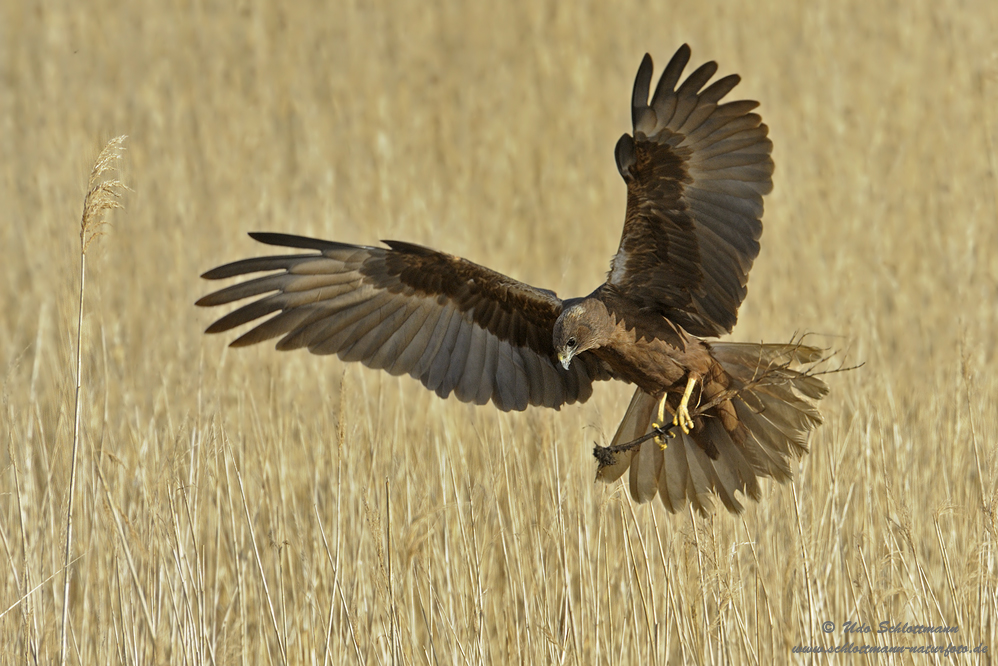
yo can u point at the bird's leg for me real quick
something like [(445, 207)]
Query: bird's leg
[(682, 417), (659, 424)]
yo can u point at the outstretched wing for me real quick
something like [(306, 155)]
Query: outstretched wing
[(695, 171), (456, 326)]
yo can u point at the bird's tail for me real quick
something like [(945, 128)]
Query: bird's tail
[(771, 391)]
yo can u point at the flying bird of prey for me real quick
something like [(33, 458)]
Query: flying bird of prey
[(705, 416)]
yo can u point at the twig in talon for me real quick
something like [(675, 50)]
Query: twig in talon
[(606, 455)]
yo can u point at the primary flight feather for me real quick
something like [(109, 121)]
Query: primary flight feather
[(696, 171)]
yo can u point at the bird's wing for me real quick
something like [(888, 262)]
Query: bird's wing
[(454, 325), (695, 171)]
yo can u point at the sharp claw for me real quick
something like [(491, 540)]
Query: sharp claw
[(663, 432), (682, 417)]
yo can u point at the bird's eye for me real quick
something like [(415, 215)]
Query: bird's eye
[(572, 342)]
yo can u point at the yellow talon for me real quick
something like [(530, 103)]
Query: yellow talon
[(682, 417), (660, 422)]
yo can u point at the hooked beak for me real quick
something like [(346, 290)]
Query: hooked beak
[(565, 357)]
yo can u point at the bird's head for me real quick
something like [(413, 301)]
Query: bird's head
[(580, 327)]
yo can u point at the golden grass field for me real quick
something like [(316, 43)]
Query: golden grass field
[(262, 507)]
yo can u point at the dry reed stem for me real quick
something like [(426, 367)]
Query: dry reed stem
[(103, 194), (259, 563)]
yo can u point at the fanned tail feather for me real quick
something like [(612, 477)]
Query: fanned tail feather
[(773, 395)]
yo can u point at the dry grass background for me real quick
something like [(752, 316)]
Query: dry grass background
[(264, 507)]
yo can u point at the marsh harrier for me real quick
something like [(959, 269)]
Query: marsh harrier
[(705, 416)]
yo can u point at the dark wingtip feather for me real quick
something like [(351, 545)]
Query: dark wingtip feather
[(232, 269), (245, 340), (682, 54), (720, 88), (254, 265), (409, 248), (672, 71), (213, 274), (698, 78), (291, 240), (642, 84), (226, 323)]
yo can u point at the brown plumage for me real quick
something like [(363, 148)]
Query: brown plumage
[(696, 171)]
